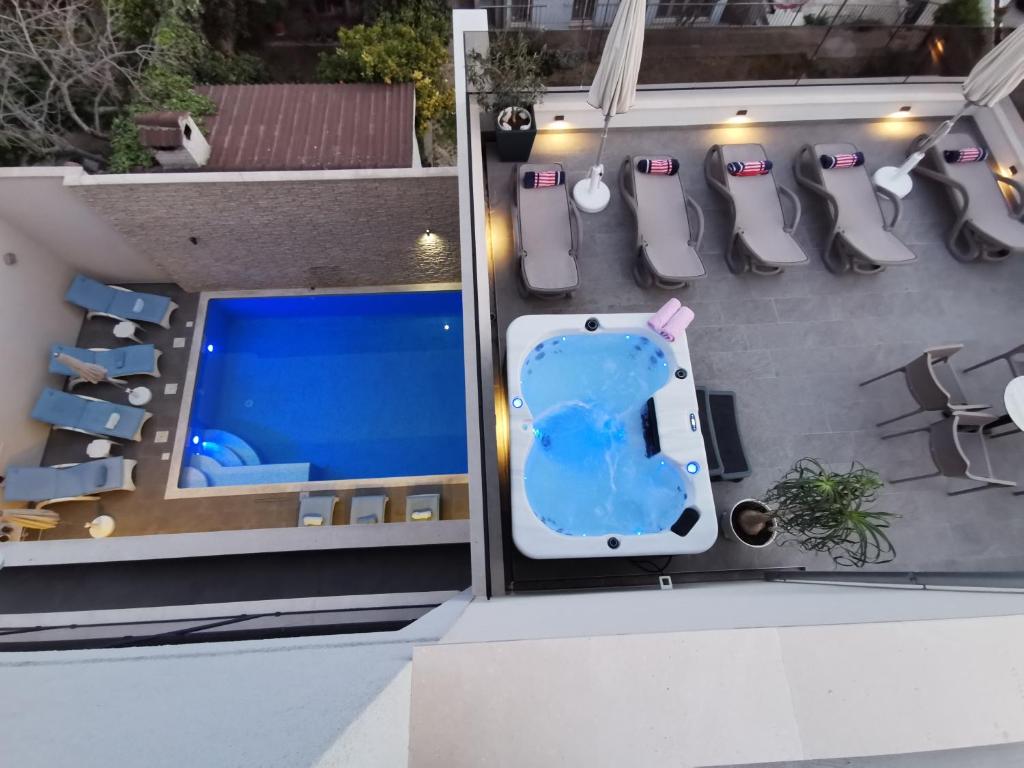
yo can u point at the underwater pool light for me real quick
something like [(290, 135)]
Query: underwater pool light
[(692, 467), (209, 347), (517, 402), (195, 439), (446, 326)]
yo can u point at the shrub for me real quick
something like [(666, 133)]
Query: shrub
[(509, 75), (962, 13), (407, 46)]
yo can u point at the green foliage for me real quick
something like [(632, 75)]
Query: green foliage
[(135, 20), (237, 69), (127, 154), (406, 46), (817, 19), (509, 75), (963, 13), (825, 511)]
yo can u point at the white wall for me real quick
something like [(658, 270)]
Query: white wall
[(33, 315), (44, 209)]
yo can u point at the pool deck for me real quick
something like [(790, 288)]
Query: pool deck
[(145, 510), (794, 346)]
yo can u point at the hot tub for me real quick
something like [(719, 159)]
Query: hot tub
[(607, 457)]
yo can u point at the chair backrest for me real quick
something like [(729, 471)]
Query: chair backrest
[(977, 178), (544, 215), (924, 385), (660, 206), (948, 456), (851, 187)]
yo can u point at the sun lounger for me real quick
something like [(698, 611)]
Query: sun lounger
[(69, 482), (316, 510), (119, 303), (88, 415), (666, 245), (546, 232), (422, 507), (368, 509), (861, 239), (986, 227), (135, 360), (761, 240)]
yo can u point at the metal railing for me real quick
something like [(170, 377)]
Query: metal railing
[(584, 14)]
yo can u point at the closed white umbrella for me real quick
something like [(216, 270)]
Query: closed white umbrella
[(613, 91), (993, 78), (89, 372)]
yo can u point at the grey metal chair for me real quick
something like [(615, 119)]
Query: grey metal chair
[(861, 239), (666, 245), (932, 383), (986, 227), (1014, 357), (959, 449), (546, 231), (761, 240)]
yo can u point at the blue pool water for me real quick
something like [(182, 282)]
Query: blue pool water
[(587, 473), (357, 385)]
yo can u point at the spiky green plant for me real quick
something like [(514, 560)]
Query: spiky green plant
[(825, 511)]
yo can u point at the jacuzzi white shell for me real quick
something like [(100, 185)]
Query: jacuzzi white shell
[(673, 403)]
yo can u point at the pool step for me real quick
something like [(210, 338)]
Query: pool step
[(221, 453), (242, 449), (247, 474)]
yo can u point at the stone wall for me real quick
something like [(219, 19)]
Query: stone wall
[(366, 229)]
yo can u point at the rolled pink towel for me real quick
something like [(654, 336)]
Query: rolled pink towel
[(663, 315), (677, 324)]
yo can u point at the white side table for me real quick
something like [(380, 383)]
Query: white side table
[(1013, 399), (139, 396), (99, 448), (126, 329)]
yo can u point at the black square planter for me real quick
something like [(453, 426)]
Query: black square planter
[(515, 146)]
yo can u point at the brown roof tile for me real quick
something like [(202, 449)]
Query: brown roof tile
[(309, 127)]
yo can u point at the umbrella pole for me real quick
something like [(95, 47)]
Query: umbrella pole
[(897, 180), (604, 136)]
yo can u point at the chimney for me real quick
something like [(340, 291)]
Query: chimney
[(174, 138)]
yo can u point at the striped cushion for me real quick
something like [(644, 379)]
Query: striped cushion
[(537, 179), (850, 160), (665, 166), (759, 168), (965, 155)]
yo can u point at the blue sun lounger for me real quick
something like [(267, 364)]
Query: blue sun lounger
[(135, 360), (88, 415), (71, 482), (119, 303)]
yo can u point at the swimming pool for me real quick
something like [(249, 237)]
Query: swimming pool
[(322, 387), (606, 453)]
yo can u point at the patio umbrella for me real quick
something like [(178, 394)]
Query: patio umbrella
[(37, 519), (998, 73), (90, 372), (613, 91)]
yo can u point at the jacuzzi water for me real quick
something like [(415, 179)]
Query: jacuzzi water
[(587, 472), (357, 385)]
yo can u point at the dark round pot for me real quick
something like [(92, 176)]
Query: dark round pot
[(731, 531)]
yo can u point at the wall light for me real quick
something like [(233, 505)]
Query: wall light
[(1013, 170), (905, 108), (739, 118), (903, 111), (741, 112), (559, 118), (427, 232)]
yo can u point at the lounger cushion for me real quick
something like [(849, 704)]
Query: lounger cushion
[(44, 483), (546, 237), (989, 212), (759, 217), (664, 226), (860, 220), (541, 179), (125, 361), (63, 409), (966, 155), (131, 305)]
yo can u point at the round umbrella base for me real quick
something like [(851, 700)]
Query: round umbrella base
[(101, 527), (891, 180), (589, 197)]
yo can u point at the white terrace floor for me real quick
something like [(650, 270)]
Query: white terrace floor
[(793, 347)]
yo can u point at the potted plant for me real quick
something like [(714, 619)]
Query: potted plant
[(508, 83), (820, 511)]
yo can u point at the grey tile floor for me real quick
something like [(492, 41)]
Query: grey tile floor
[(794, 346)]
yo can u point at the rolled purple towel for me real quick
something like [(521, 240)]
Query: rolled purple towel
[(677, 324), (663, 315)]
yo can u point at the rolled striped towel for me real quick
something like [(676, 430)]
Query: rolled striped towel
[(848, 160), (664, 166), (965, 155), (759, 168), (537, 179)]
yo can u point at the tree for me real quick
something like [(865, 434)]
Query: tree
[(65, 72)]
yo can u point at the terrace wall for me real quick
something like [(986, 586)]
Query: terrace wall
[(287, 230)]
